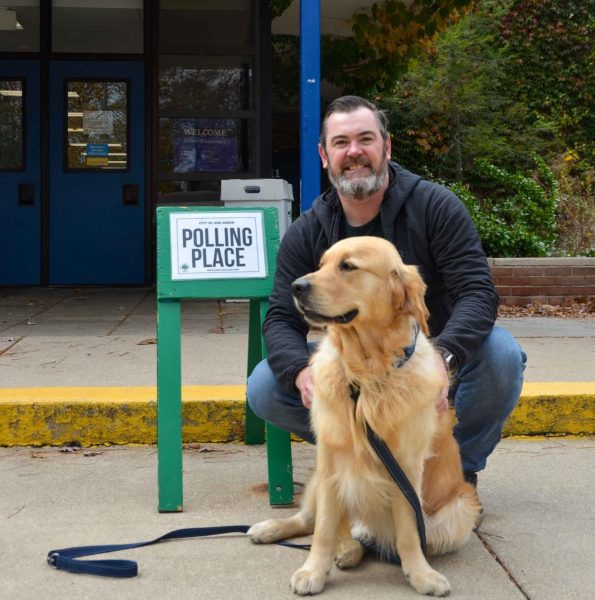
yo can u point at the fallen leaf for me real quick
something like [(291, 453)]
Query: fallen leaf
[(192, 446), (147, 342)]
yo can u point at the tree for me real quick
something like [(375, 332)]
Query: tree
[(551, 44), (454, 105), (385, 38)]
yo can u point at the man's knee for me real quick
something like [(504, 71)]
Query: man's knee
[(260, 389), (503, 354), (491, 383)]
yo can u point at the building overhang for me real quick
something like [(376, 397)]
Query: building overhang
[(334, 16)]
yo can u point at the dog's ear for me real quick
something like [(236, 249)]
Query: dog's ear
[(408, 294)]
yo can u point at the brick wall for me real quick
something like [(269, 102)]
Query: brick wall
[(557, 281)]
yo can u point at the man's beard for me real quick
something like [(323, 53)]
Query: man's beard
[(359, 187)]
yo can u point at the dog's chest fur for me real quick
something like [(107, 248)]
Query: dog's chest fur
[(391, 405)]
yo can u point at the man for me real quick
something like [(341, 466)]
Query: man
[(431, 229)]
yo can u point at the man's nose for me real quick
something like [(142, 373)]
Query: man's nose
[(354, 148)]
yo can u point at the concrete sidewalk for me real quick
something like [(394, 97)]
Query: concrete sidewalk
[(79, 365), (535, 541)]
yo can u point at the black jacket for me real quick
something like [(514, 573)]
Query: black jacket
[(431, 229)]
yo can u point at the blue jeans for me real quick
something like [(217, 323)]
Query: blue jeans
[(488, 388)]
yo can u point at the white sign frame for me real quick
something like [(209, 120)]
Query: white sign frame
[(217, 245)]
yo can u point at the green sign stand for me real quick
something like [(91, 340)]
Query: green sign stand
[(176, 258)]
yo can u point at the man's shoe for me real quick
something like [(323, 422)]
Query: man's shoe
[(471, 477)]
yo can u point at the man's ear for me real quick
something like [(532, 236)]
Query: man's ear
[(408, 294), (388, 147), (323, 156)]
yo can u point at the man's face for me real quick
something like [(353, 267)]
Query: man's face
[(356, 155)]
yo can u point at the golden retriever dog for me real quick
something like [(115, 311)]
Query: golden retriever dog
[(372, 306)]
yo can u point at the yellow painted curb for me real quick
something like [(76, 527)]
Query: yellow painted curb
[(126, 415), (92, 416), (554, 408)]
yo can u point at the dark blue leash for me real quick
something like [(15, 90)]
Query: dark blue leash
[(66, 559), (393, 467)]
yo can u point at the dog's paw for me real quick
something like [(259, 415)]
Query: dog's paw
[(266, 532), (349, 555), (306, 582), (429, 582)]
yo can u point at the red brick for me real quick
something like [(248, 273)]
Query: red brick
[(572, 281), (502, 271), (511, 281), (560, 271), (503, 291), (560, 290), (585, 271), (529, 271), (537, 281), (553, 300), (583, 290), (516, 300), (523, 291)]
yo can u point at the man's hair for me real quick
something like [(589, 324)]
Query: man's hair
[(347, 104)]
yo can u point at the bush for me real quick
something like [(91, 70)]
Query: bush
[(515, 215), (576, 206)]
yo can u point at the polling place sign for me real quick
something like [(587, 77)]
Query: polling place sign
[(217, 245)]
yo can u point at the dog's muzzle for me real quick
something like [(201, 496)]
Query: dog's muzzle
[(301, 289)]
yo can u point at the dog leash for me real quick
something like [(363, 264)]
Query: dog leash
[(67, 559), (398, 476), (389, 461)]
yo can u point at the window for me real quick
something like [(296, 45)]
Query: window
[(218, 83), (206, 120), (208, 25), (207, 106), (204, 145), (98, 26), (19, 26), (11, 124), (97, 125)]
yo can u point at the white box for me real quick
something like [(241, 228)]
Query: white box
[(264, 193)]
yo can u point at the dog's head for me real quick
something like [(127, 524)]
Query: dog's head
[(363, 281)]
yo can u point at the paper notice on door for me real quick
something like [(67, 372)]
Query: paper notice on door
[(98, 121)]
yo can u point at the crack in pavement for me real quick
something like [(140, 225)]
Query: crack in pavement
[(502, 565)]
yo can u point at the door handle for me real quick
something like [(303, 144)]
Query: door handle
[(130, 193), (26, 194)]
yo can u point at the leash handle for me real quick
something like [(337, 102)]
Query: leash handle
[(67, 559)]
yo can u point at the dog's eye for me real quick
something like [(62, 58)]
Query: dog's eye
[(347, 266)]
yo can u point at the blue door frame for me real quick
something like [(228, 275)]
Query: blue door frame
[(20, 218), (95, 237)]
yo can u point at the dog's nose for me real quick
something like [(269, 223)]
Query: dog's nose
[(300, 288)]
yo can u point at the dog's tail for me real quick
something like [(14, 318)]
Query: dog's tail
[(450, 527)]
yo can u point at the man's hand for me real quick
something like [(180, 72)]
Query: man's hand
[(442, 400), (305, 384)]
